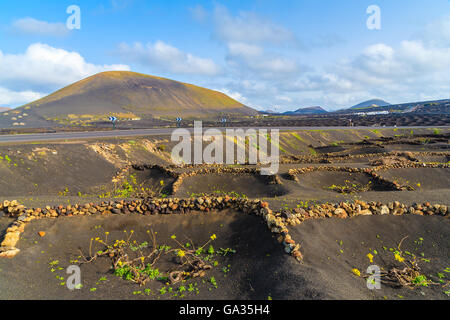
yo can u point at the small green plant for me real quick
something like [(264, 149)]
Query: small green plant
[(161, 147), (226, 269), (349, 187), (226, 251), (136, 262), (421, 280), (296, 136), (213, 282), (64, 193), (437, 132), (127, 189)]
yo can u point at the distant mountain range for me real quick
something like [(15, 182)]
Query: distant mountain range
[(2, 109), (301, 111), (377, 105), (309, 110)]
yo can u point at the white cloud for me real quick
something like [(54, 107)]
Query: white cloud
[(251, 43), (326, 40), (32, 26), (199, 13), (233, 94), (264, 61), (14, 98), (283, 98), (45, 68), (248, 27), (255, 62), (244, 49), (40, 70), (120, 4), (430, 59), (438, 32), (165, 57), (413, 70), (413, 63)]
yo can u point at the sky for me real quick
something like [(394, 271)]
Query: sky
[(271, 55)]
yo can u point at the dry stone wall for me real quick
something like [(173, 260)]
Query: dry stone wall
[(330, 158), (277, 221)]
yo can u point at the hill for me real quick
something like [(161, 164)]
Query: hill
[(371, 103), (310, 110), (128, 95)]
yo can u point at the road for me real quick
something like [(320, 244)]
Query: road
[(36, 137)]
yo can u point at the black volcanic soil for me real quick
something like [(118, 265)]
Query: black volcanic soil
[(365, 150), (259, 268), (51, 169), (326, 180), (239, 185), (351, 149), (420, 178), (70, 168), (329, 149), (439, 159), (416, 148), (399, 120), (323, 240), (28, 276), (155, 180)]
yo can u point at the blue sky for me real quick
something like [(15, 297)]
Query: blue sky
[(278, 55)]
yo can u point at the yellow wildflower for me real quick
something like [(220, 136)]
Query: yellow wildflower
[(213, 237), (370, 256), (398, 257), (181, 253), (356, 272)]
